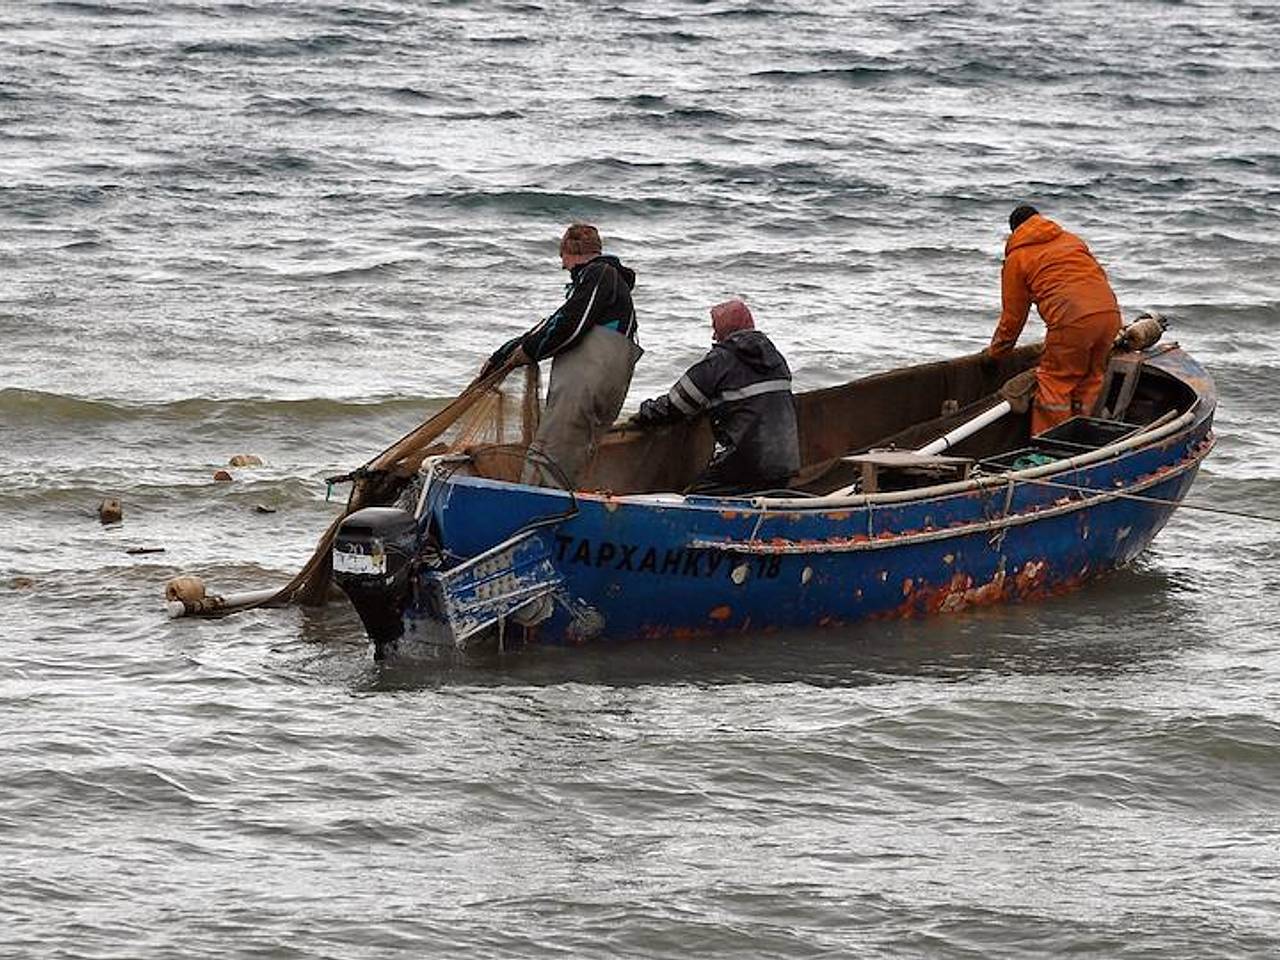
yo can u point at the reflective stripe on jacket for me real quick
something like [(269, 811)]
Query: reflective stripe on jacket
[(744, 385)]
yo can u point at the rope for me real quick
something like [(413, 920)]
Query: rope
[(1180, 504), (384, 474)]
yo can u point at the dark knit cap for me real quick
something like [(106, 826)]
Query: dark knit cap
[(1020, 215)]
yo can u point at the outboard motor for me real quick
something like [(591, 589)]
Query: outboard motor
[(372, 562)]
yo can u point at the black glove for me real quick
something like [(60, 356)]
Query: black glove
[(987, 363), (500, 356)]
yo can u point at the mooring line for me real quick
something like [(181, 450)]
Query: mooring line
[(1180, 504)]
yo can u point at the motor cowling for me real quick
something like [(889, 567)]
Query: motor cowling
[(373, 555)]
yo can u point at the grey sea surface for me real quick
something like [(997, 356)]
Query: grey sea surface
[(292, 229)]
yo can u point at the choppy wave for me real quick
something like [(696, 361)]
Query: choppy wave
[(546, 203), (104, 9), (316, 45), (143, 486), (30, 408), (373, 272), (221, 218), (309, 107), (859, 76)]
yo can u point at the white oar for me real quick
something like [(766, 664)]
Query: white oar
[(1018, 392), (966, 429)]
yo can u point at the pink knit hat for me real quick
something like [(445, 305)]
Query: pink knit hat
[(730, 317)]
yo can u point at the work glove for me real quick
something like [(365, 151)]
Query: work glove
[(987, 363), (511, 350), (1020, 390)]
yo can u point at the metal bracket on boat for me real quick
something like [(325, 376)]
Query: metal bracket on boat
[(586, 622), (513, 580), (429, 470)]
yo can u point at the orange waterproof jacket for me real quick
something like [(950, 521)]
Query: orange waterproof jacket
[(1047, 266)]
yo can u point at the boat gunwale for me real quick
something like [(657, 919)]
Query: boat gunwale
[(769, 506), (764, 506), (1090, 458), (1031, 515)]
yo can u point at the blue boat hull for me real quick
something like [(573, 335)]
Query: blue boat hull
[(641, 567)]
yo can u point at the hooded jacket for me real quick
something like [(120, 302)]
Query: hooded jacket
[(598, 294), (1054, 269), (745, 386)]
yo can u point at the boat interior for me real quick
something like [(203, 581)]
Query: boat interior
[(859, 436)]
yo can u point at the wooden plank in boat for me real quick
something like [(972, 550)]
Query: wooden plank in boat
[(901, 469)]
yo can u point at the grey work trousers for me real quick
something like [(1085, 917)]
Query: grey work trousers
[(589, 383)]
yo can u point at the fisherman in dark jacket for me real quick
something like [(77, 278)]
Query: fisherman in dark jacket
[(745, 386), (592, 340)]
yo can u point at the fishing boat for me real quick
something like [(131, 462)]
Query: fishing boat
[(920, 494)]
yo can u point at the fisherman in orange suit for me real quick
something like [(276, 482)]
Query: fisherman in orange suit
[(1047, 266)]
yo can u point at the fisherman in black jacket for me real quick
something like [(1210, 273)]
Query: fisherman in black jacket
[(592, 338), (745, 385)]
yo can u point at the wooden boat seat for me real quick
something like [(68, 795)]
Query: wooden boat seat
[(1119, 384), (883, 470)]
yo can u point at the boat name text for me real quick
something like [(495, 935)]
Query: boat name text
[(680, 561)]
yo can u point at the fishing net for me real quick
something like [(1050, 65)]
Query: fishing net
[(506, 413), (499, 409)]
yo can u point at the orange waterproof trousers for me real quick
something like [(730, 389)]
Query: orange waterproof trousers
[(1069, 377)]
